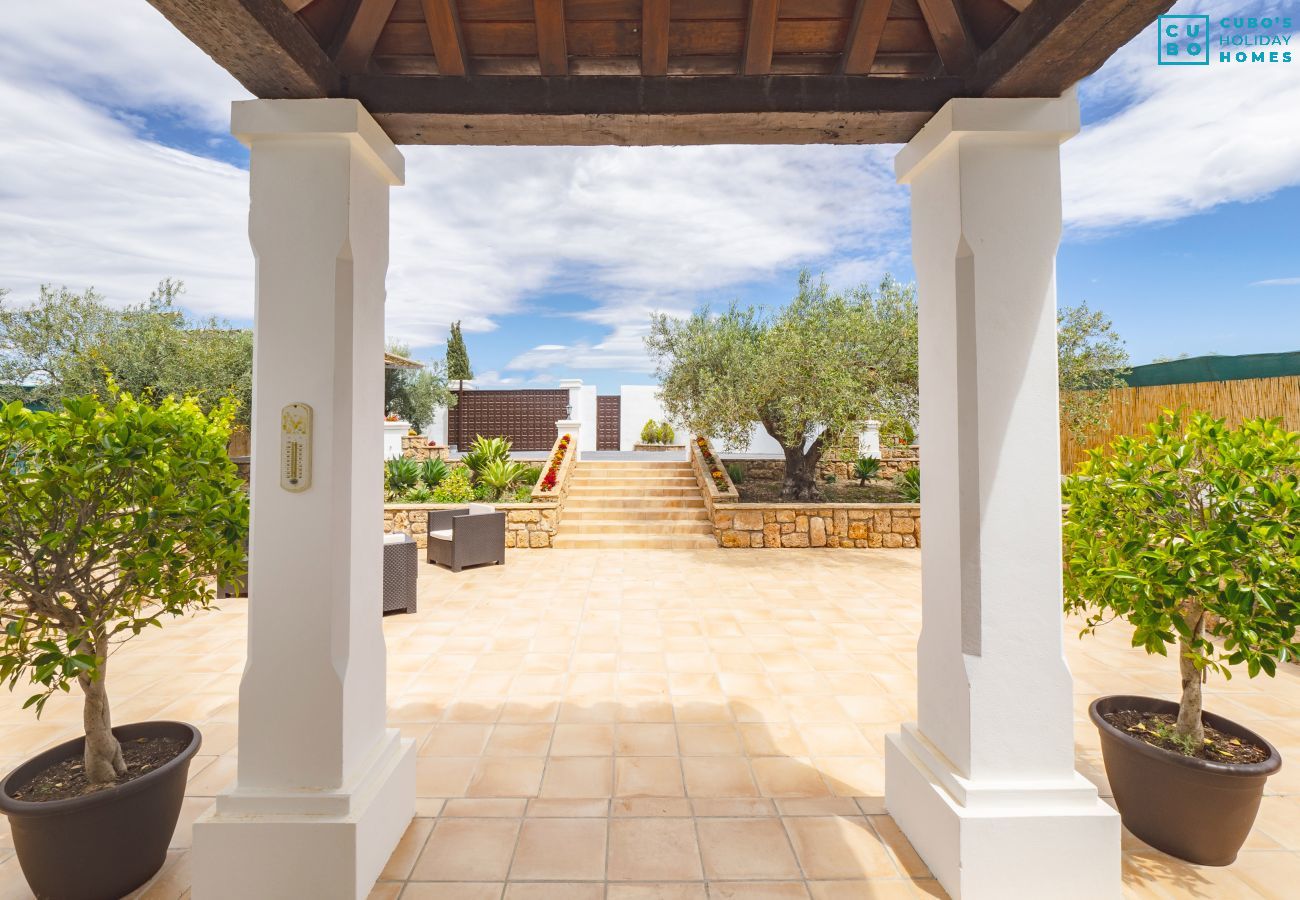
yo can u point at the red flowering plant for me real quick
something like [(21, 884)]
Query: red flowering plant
[(557, 459)]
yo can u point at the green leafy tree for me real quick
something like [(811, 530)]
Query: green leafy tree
[(1191, 534), (68, 345), (458, 367), (112, 515), (808, 373), (1092, 361), (414, 394)]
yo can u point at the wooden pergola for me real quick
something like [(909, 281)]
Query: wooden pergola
[(981, 92), (658, 71)]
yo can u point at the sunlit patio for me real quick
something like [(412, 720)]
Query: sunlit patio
[(659, 724)]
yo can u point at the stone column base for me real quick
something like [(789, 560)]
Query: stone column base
[(330, 847), (1006, 841)]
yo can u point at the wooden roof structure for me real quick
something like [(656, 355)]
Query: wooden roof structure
[(658, 71)]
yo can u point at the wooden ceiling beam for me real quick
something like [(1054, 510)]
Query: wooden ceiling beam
[(760, 37), (1018, 5), (295, 5), (1054, 44), (361, 34), (864, 36), (951, 37), (552, 47), (655, 15), (443, 22), (260, 42)]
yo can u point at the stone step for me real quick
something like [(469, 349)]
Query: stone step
[(649, 526), (579, 489), (636, 478), (566, 541), (598, 466), (600, 501), (637, 514)]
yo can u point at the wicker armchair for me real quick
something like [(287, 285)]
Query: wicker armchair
[(401, 573), (467, 536)]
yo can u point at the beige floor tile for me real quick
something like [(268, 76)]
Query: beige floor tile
[(653, 850), (578, 777), (476, 891), (839, 847), (641, 739), (708, 740), (506, 777), (443, 776), (583, 740), (456, 740), (408, 850), (519, 740), (771, 890), (485, 808), (558, 891), (865, 890), (560, 850), (718, 776), (780, 776), (745, 849), (467, 850), (647, 776), (659, 891)]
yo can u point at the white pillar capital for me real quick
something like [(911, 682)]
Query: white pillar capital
[(256, 120), (983, 783), (1020, 119)]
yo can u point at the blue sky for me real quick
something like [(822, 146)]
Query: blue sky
[(1181, 200)]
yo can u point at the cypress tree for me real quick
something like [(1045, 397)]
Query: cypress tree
[(457, 356)]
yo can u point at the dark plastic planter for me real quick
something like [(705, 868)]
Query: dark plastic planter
[(106, 844), (1195, 809)]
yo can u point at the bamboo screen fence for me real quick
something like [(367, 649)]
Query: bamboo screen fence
[(1248, 398)]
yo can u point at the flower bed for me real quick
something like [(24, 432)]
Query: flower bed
[(713, 466), (552, 474)]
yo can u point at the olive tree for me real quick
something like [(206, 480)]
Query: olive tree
[(1191, 534), (808, 373), (111, 517), (1091, 362), (414, 394)]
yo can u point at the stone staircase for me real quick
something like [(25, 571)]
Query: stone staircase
[(634, 505)]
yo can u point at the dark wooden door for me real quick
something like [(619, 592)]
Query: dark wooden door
[(608, 423)]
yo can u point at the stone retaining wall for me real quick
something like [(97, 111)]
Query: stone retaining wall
[(776, 525), (528, 525), (419, 448), (893, 461)]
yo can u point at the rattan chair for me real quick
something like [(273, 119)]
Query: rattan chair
[(469, 536)]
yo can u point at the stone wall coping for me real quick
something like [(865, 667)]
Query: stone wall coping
[(795, 504), (547, 504)]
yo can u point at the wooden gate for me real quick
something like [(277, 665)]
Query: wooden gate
[(608, 427), (526, 418)]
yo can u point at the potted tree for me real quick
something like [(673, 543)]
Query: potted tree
[(1191, 534), (111, 517)]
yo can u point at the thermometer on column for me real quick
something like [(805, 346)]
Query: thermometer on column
[(295, 447)]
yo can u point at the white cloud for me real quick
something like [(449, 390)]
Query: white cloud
[(1190, 138), (1276, 282)]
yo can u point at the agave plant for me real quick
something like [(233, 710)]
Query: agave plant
[(401, 473), (419, 494), (485, 451), (500, 474), (908, 483), (432, 472), (866, 467)]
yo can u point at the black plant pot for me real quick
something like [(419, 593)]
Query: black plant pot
[(104, 845), (1195, 809)]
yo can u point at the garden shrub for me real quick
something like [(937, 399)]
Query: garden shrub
[(455, 488)]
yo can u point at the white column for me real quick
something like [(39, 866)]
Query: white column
[(573, 428), (869, 440), (324, 788), (984, 782)]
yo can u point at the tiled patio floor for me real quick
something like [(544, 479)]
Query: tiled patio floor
[(660, 724)]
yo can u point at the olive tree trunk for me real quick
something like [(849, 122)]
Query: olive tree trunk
[(103, 756), (1189, 705)]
